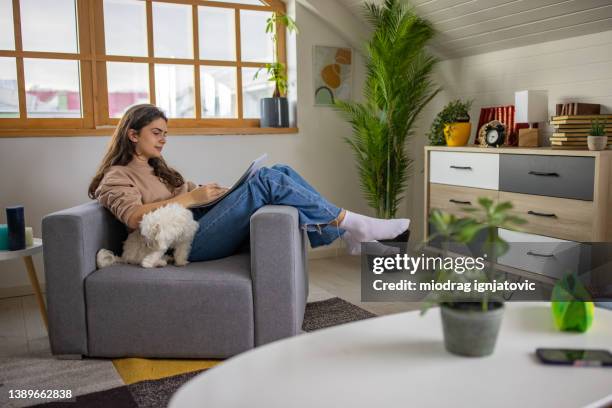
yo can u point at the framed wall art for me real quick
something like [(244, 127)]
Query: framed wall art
[(333, 74)]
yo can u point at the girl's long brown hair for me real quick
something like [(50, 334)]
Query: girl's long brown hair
[(121, 149)]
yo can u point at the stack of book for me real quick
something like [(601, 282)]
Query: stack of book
[(571, 131)]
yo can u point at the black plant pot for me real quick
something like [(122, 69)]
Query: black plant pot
[(274, 112)]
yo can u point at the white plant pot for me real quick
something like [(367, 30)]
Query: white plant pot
[(597, 142)]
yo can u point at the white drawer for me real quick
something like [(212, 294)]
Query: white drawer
[(539, 254), (480, 170)]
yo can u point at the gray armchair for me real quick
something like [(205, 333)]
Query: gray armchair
[(212, 309)]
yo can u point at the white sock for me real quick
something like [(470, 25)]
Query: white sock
[(364, 229), (353, 246)]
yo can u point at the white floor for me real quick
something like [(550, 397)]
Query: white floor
[(22, 331), (341, 277)]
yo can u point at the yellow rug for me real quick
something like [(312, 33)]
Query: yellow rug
[(133, 370)]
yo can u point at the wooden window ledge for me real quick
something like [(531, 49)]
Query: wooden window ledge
[(108, 131)]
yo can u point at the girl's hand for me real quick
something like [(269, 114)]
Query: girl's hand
[(206, 193)]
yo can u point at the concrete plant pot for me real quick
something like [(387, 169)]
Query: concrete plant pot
[(597, 142), (468, 331), (274, 112)]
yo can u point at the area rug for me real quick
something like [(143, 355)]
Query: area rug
[(163, 377), (325, 313), (133, 370)]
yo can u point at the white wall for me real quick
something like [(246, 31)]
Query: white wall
[(576, 69), (49, 174)]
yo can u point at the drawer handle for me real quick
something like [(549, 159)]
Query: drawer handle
[(452, 200), (541, 173), (540, 255), (460, 167), (542, 214)]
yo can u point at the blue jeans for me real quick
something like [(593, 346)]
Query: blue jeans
[(224, 227)]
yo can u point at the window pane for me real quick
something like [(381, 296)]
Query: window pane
[(217, 32), (175, 90), (52, 88), (172, 30), (255, 43), (7, 35), (218, 92), (253, 2), (125, 27), (128, 84), (9, 96), (253, 90), (49, 25)]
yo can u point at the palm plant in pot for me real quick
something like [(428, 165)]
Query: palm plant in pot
[(471, 319), (597, 139), (275, 110), (397, 88)]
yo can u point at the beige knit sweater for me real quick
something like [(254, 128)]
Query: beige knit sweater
[(124, 188)]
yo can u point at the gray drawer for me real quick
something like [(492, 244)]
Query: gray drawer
[(539, 254), (554, 176)]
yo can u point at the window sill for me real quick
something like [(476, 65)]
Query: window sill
[(108, 131)]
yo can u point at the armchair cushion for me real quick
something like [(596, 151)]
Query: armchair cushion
[(201, 310)]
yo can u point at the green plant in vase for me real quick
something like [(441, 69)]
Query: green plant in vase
[(471, 319), (446, 120), (275, 109), (398, 86), (597, 139)]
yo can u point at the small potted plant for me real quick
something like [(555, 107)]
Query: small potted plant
[(275, 110), (471, 320), (597, 139), (452, 125)]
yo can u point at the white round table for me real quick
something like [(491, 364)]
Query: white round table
[(26, 255), (400, 361)]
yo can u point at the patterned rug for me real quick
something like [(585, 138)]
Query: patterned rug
[(156, 392)]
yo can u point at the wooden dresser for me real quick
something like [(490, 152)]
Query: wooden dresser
[(565, 196)]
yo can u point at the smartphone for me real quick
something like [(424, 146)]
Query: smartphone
[(575, 357)]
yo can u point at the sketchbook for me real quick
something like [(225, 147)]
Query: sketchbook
[(250, 172)]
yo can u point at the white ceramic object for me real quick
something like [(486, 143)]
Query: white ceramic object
[(479, 170), (597, 142)]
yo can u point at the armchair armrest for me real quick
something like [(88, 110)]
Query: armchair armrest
[(71, 239), (278, 271)]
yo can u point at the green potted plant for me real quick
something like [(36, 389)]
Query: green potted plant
[(275, 110), (452, 125), (597, 139), (471, 320), (397, 88)]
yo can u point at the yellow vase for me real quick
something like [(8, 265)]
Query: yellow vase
[(458, 133)]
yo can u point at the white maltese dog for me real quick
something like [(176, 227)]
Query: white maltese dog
[(170, 226)]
